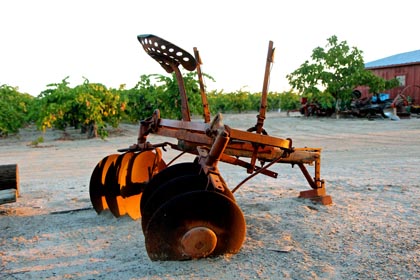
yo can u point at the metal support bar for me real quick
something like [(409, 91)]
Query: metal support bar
[(184, 101), (318, 192), (254, 174), (263, 105), (308, 177), (206, 110), (217, 149)]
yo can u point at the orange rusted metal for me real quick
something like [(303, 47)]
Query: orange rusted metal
[(206, 110), (187, 209), (254, 143)]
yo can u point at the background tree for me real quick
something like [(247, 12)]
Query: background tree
[(161, 92), (375, 83), (239, 101), (15, 107), (289, 101), (141, 99), (332, 74), (219, 102), (89, 106)]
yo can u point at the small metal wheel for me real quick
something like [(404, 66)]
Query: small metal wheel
[(97, 183), (167, 174), (195, 225)]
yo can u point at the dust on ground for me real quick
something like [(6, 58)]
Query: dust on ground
[(370, 232)]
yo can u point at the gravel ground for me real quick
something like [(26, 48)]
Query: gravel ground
[(371, 231)]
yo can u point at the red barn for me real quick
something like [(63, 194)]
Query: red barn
[(405, 67)]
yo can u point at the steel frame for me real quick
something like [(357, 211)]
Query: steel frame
[(213, 141)]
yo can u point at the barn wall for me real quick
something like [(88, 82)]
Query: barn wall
[(412, 80)]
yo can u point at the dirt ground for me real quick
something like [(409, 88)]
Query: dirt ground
[(371, 169)]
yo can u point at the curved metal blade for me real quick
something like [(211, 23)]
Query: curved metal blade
[(171, 172), (132, 176), (174, 221), (116, 203), (97, 182), (175, 187), (169, 190)]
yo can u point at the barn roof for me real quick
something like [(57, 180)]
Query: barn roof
[(397, 59)]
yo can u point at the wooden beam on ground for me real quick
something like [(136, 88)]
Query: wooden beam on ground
[(9, 183)]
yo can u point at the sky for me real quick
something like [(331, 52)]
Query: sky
[(44, 41)]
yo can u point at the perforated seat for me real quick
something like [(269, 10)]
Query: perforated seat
[(167, 54)]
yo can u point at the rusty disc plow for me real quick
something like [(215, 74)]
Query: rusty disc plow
[(187, 210)]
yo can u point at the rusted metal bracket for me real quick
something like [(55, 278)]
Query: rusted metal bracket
[(205, 139), (263, 105)]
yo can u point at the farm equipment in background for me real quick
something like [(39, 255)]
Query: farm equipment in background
[(375, 106), (369, 107), (402, 105), (187, 210), (309, 109), (415, 109)]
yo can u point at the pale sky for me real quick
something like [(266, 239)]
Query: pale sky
[(44, 41)]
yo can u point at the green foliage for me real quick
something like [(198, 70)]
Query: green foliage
[(89, 106), (38, 141), (218, 102), (239, 101), (274, 100), (255, 101), (169, 97), (242, 101), (229, 102), (161, 92), (328, 78), (289, 101), (140, 100), (15, 107), (332, 74), (375, 83)]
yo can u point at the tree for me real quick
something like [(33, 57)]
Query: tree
[(240, 100), (218, 102), (15, 107), (377, 84), (141, 99), (161, 92), (289, 101), (332, 74), (89, 106)]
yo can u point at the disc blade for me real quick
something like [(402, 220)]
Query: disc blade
[(116, 203), (170, 189), (175, 187), (198, 211), (134, 174), (176, 170), (97, 181)]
